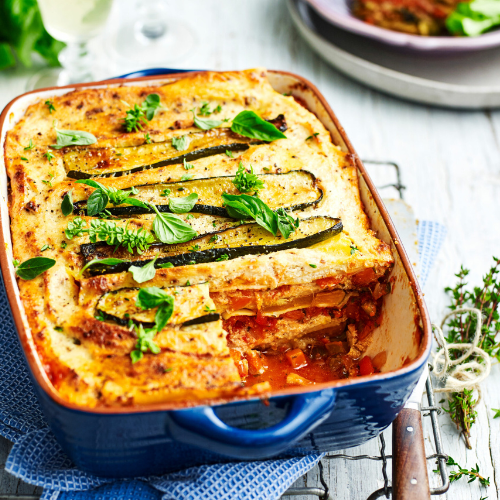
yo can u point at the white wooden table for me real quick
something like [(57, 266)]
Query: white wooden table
[(450, 164)]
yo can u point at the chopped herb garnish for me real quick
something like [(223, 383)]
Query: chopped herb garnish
[(194, 248), (224, 256), (180, 143), (165, 192), (354, 248), (497, 412), (229, 153), (49, 183), (30, 146), (205, 109), (32, 268), (168, 370), (209, 310), (187, 166), (249, 124), (311, 136), (181, 188), (189, 216), (166, 265), (64, 244), (188, 283), (267, 169), (214, 239), (24, 158), (149, 298), (186, 177), (137, 116), (15, 262), (45, 247), (144, 343), (49, 155), (147, 138), (214, 223), (58, 328), (50, 105), (314, 266), (247, 182)]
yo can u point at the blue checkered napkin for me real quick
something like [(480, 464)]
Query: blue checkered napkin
[(38, 459)]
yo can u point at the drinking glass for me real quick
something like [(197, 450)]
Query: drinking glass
[(74, 22), (150, 37)]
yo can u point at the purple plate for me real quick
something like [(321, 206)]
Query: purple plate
[(338, 12)]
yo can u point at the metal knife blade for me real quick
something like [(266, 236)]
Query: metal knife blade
[(415, 399)]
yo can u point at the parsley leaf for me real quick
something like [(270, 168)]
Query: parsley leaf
[(67, 204), (184, 204), (249, 124), (144, 273), (32, 268), (247, 182), (204, 123), (180, 143)]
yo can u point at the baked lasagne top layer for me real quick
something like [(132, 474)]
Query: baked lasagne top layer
[(238, 291)]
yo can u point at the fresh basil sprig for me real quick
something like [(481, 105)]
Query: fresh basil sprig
[(67, 204), (205, 123), (247, 182), (73, 138), (170, 229), (136, 117), (250, 124), (144, 273), (149, 298), (183, 204), (102, 195), (243, 206), (144, 342), (31, 268)]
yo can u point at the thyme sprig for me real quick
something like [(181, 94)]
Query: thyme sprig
[(472, 474), (108, 231), (461, 328)]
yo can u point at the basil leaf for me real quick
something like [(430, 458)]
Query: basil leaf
[(107, 262), (147, 298), (170, 229), (97, 202), (180, 143), (136, 203), (91, 183), (184, 204), (249, 124), (67, 204), (205, 123), (286, 223), (165, 265), (73, 138), (150, 105), (164, 313), (32, 268), (245, 206), (144, 273)]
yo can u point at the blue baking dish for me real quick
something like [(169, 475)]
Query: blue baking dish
[(158, 438)]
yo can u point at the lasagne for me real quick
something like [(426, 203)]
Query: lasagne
[(194, 241)]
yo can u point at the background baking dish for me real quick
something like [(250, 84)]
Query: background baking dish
[(153, 439)]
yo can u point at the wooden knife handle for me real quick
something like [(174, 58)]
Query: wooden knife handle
[(409, 466)]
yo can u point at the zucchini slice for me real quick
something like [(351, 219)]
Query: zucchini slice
[(295, 190), (119, 306), (245, 239), (115, 162)]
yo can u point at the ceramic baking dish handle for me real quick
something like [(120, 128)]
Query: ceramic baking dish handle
[(202, 427)]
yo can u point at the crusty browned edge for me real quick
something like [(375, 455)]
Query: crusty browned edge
[(28, 345)]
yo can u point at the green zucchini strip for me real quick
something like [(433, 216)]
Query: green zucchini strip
[(245, 239), (295, 190), (119, 306)]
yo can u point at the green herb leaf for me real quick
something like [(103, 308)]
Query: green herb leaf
[(45, 247), (144, 343), (170, 229), (229, 153), (111, 261), (247, 182), (204, 123), (209, 309), (165, 192), (15, 262), (473, 18), (97, 202), (286, 223), (50, 105), (165, 265), (311, 136), (186, 177), (134, 119), (186, 165), (67, 204), (73, 138), (30, 146), (24, 158), (194, 248), (49, 155), (354, 249), (497, 412), (244, 207), (314, 266), (184, 204), (147, 138), (149, 298), (180, 143), (32, 268), (223, 257), (144, 273), (249, 124)]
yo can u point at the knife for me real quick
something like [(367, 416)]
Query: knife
[(409, 465)]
